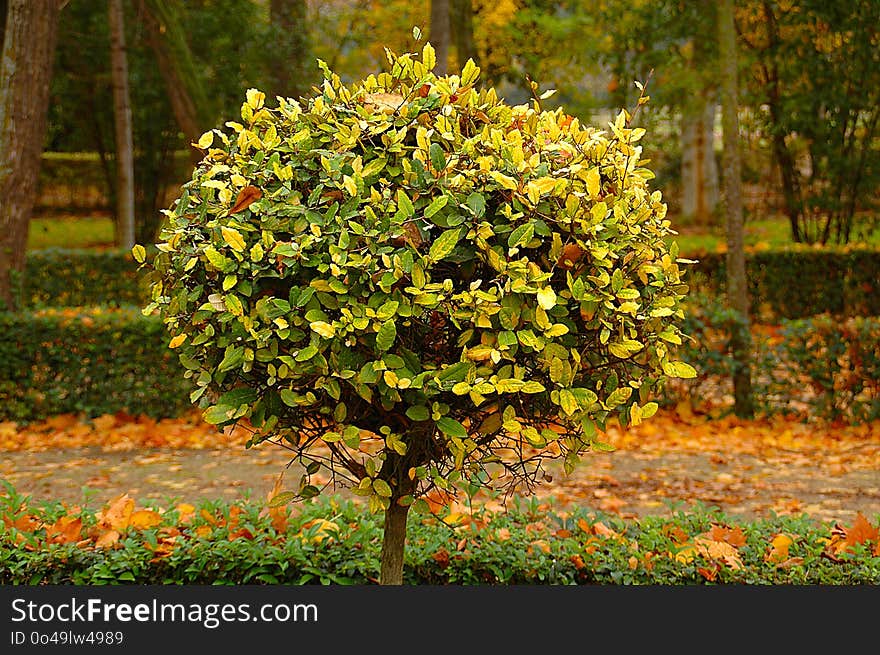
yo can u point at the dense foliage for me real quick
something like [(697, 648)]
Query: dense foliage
[(333, 542), (87, 360), (413, 268)]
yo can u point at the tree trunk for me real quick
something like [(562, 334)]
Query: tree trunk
[(290, 48), (122, 123), (182, 82), (393, 540), (737, 286), (699, 173), (25, 73), (462, 27), (439, 34)]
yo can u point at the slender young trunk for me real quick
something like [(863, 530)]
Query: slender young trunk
[(737, 287), (122, 123), (25, 72), (439, 34), (391, 571)]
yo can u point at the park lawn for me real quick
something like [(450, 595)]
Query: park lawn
[(767, 234), (70, 232)]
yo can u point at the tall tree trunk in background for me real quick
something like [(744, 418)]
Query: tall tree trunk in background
[(737, 285), (4, 6), (167, 39), (289, 49), (462, 27), (25, 72), (699, 172), (122, 123), (439, 34)]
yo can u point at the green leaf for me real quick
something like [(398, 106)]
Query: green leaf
[(418, 413), (386, 335), (436, 205), (477, 203), (618, 396), (568, 402), (451, 427), (381, 488), (139, 253), (237, 397), (679, 370), (282, 498), (521, 235), (444, 245), (438, 159)]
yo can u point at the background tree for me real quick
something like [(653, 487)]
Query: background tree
[(125, 232), (409, 293), (25, 74), (290, 48), (440, 34), (737, 282), (816, 70)]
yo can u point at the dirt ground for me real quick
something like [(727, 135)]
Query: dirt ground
[(631, 482)]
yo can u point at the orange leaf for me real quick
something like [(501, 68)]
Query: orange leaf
[(117, 515), (107, 539), (65, 530), (779, 548), (861, 531), (185, 512), (278, 514), (144, 519), (732, 536), (247, 196)]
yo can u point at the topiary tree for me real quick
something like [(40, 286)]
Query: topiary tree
[(414, 286)]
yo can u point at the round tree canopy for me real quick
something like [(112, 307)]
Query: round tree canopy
[(411, 283)]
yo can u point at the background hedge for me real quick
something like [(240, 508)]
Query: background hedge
[(800, 282), (91, 361), (823, 366), (58, 277)]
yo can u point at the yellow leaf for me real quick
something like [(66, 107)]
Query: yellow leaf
[(323, 328), (206, 140), (592, 179), (255, 98), (144, 519), (178, 340), (547, 298), (233, 238)]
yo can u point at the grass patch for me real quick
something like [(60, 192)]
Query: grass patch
[(70, 232), (766, 234)]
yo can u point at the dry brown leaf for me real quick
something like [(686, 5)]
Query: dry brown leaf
[(246, 197)]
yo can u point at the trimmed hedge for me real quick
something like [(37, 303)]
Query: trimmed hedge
[(332, 541), (92, 361), (58, 277), (801, 282), (823, 367)]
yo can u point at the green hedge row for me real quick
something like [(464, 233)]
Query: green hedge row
[(801, 282), (529, 544), (824, 366), (59, 277), (91, 361), (783, 283)]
